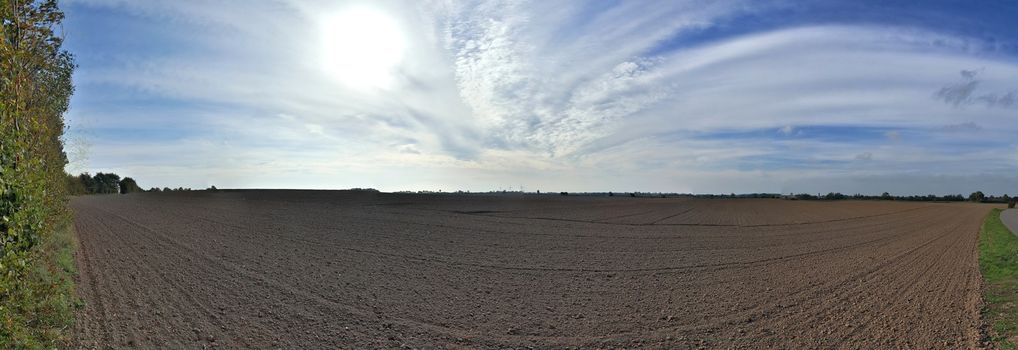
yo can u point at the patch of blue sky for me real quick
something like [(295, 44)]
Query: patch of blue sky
[(142, 135), (962, 144), (97, 37), (843, 133), (779, 161), (99, 94), (862, 135), (990, 21)]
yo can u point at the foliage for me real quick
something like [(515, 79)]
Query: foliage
[(75, 186), (46, 301), (35, 89), (128, 185), (977, 196), (835, 196), (998, 261), (101, 183), (106, 183), (884, 196)]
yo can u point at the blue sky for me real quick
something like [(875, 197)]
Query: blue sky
[(678, 96)]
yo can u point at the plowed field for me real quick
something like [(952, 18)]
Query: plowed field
[(353, 270)]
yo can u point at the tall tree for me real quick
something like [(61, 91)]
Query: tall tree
[(35, 89)]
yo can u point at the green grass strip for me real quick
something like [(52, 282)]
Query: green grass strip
[(998, 261), (40, 312)]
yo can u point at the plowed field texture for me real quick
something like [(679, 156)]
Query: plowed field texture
[(358, 270)]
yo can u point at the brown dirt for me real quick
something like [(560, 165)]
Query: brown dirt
[(317, 269)]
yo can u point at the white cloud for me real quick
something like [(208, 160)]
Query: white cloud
[(315, 129)]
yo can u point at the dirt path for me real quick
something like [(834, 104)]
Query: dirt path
[(362, 271), (1010, 219)]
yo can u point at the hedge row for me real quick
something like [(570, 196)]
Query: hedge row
[(35, 89)]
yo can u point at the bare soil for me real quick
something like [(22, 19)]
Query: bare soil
[(354, 270)]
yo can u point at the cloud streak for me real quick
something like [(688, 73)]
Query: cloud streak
[(964, 93)]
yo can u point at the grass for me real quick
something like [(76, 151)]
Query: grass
[(998, 261), (40, 313)]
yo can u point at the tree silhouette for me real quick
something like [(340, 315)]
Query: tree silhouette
[(977, 196), (128, 185), (106, 183)]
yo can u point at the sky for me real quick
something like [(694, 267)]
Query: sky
[(907, 97)]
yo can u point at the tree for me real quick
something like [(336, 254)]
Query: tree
[(977, 196), (101, 183), (75, 186), (886, 196), (805, 196), (128, 185), (835, 196), (106, 183), (35, 90), (87, 182)]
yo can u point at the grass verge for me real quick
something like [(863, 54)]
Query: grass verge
[(998, 261), (40, 312)]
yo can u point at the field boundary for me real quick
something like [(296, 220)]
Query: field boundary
[(998, 262), (42, 310)]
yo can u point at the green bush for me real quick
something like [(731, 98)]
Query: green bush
[(35, 88)]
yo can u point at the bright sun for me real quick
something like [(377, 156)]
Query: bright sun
[(362, 47)]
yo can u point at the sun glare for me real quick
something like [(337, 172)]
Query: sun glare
[(362, 47)]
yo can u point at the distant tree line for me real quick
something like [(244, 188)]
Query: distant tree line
[(101, 183), (977, 196), (110, 183), (178, 189)]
